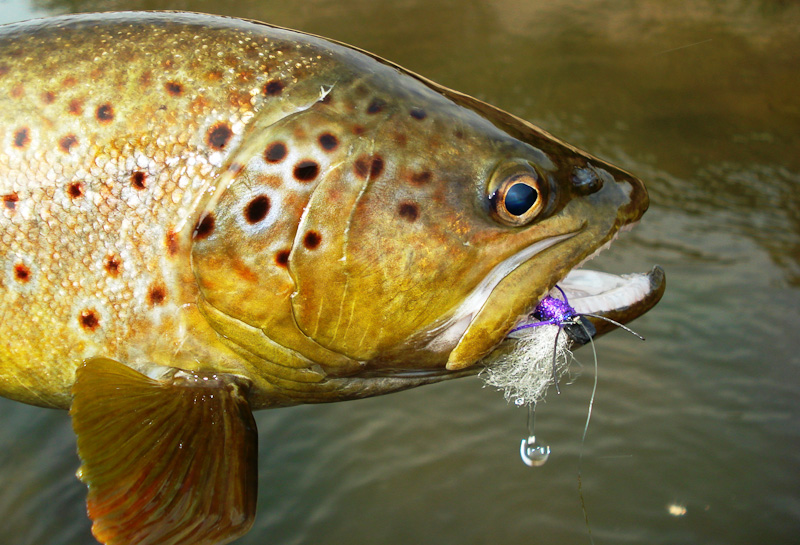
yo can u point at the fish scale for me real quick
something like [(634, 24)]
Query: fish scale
[(202, 216), (78, 200)]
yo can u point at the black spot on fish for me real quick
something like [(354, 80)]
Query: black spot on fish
[(10, 201), (22, 138), (204, 227), (312, 240), (305, 171), (219, 135), (157, 295), (368, 166), (421, 178), (105, 113), (328, 141), (113, 265), (418, 113), (48, 97), (274, 87), (174, 88), (257, 209), (282, 258), (275, 152), (89, 320), (408, 211), (67, 142), (376, 106), (139, 180), (22, 273), (75, 190)]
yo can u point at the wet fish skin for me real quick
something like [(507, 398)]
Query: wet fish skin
[(202, 216), (113, 127), (133, 133)]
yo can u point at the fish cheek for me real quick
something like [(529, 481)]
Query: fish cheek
[(235, 264), (394, 274)]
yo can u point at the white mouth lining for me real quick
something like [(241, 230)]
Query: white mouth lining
[(449, 333), (594, 291)]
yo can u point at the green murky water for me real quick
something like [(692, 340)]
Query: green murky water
[(695, 433)]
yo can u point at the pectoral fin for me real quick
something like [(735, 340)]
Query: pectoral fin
[(167, 462)]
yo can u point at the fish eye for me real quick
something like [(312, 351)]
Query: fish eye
[(516, 194)]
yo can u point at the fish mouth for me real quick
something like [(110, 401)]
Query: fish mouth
[(599, 297)]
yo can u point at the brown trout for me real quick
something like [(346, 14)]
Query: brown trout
[(202, 216)]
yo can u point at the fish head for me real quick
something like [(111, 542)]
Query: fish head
[(400, 230)]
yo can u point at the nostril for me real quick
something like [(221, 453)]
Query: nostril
[(586, 181)]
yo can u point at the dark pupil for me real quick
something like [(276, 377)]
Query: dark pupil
[(520, 198)]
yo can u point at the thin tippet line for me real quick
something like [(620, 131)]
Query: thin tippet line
[(583, 438)]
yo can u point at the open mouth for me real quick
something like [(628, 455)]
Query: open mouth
[(602, 299)]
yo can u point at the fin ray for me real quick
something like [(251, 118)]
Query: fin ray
[(167, 462)]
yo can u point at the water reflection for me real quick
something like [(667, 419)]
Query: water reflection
[(699, 99)]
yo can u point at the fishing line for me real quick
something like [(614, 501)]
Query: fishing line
[(583, 437)]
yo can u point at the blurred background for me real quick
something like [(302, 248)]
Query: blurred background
[(695, 436)]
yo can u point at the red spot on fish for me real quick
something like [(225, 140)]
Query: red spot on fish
[(89, 320), (67, 142), (168, 64), (113, 265), (305, 171), (400, 139), (368, 166), (48, 97), (75, 107), (275, 153), (219, 135), (22, 138), (69, 81), (376, 106), (104, 113), (146, 78), (18, 91), (172, 243), (214, 75), (282, 258), (174, 88), (139, 180), (22, 273), (358, 130), (204, 227), (328, 141), (421, 178), (408, 211), (274, 87), (10, 201), (75, 190), (157, 295), (312, 240), (418, 113), (257, 209)]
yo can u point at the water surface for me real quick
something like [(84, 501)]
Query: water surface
[(695, 433)]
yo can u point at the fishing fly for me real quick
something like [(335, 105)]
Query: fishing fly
[(527, 363)]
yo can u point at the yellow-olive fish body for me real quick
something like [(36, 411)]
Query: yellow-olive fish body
[(202, 216)]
